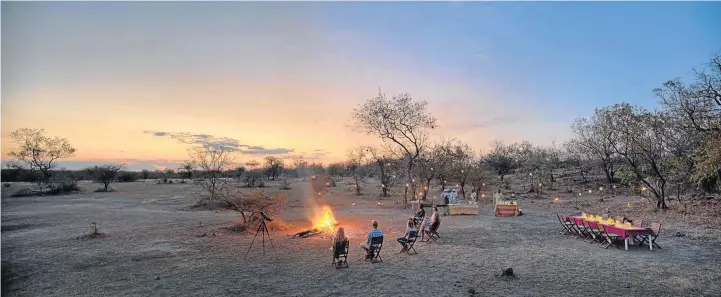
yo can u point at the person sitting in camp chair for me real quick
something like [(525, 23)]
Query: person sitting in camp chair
[(340, 249), (420, 216), (409, 237), (428, 224), (432, 232), (371, 245)]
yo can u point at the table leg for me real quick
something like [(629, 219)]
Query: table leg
[(650, 244), (625, 243)]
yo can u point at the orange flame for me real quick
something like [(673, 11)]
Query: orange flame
[(326, 221)]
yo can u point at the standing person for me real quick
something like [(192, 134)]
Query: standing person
[(448, 201), (474, 196), (410, 227), (374, 233), (498, 197)]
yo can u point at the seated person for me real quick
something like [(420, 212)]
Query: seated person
[(430, 223), (339, 239), (420, 215), (374, 233), (407, 235)]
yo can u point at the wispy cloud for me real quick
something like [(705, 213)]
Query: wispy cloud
[(220, 142)]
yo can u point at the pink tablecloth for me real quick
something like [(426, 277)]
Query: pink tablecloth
[(623, 232)]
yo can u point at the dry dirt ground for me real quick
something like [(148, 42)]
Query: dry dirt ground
[(153, 248)]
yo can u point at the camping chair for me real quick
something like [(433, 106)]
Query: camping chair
[(432, 233), (340, 254), (408, 246), (595, 234), (608, 238), (580, 230), (374, 251), (567, 229), (417, 221), (639, 238), (655, 231)]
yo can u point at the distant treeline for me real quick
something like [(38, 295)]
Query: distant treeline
[(22, 175)]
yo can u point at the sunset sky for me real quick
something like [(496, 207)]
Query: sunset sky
[(139, 83)]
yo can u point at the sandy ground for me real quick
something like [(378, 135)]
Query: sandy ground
[(153, 249)]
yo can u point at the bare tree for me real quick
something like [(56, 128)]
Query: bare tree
[(356, 164), (480, 175), (641, 142), (253, 203), (38, 152), (212, 161), (300, 166), (595, 137), (694, 114), (186, 168), (501, 159), (399, 120), (434, 163), (576, 156), (104, 174), (462, 163), (383, 162), (273, 167)]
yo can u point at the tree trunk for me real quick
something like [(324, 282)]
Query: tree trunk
[(410, 182), (463, 190), (428, 185), (357, 186), (583, 176), (609, 176)]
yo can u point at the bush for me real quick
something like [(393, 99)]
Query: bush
[(25, 193), (62, 184), (127, 177), (63, 188), (254, 203)]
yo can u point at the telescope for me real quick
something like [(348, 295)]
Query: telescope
[(266, 217)]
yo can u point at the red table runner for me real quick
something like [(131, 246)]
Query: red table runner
[(623, 232)]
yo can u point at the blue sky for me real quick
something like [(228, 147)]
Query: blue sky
[(489, 70)]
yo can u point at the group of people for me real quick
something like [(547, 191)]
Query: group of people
[(419, 219)]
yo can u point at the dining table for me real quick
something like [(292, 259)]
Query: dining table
[(627, 233)]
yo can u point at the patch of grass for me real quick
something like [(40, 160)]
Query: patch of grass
[(93, 232)]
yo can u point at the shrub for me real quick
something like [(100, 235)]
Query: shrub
[(127, 177), (253, 203), (62, 184), (25, 193)]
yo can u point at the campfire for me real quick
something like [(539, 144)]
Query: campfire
[(324, 223)]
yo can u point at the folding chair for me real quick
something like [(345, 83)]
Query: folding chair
[(432, 233), (567, 229), (638, 238), (655, 231), (340, 254), (595, 234), (408, 246), (581, 230), (608, 238), (374, 251)]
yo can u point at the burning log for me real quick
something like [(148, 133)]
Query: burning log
[(324, 223)]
